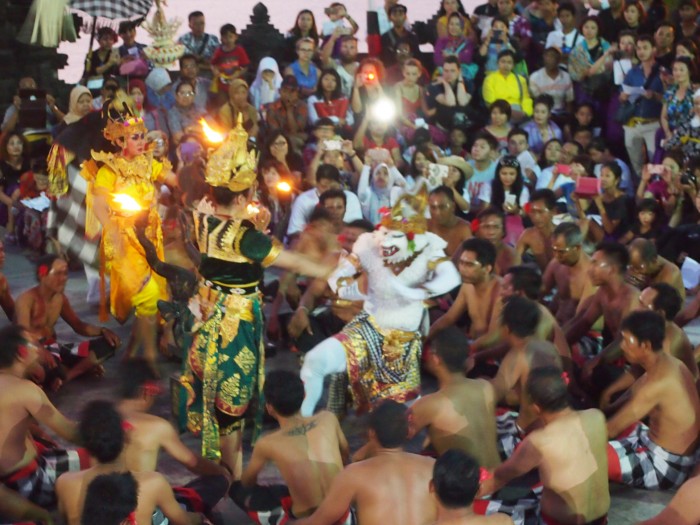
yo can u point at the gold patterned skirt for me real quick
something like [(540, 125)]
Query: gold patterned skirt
[(381, 364), (225, 367)]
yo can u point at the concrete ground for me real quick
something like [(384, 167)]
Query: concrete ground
[(628, 506)]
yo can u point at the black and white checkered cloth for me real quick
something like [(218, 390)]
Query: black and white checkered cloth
[(523, 508), (38, 486), (66, 221), (508, 433), (644, 464), (113, 9)]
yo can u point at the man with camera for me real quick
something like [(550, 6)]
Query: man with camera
[(28, 95)]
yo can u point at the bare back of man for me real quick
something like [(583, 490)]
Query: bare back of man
[(146, 436), (573, 467), (19, 398), (308, 455), (461, 415), (514, 371), (154, 492), (401, 496), (674, 418), (677, 344)]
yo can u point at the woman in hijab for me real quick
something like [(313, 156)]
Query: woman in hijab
[(382, 191), (265, 89), (79, 105)]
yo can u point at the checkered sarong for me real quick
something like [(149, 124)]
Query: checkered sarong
[(637, 461), (36, 481), (523, 510), (123, 9), (508, 433), (66, 221)]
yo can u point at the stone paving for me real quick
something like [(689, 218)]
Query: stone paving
[(628, 506)]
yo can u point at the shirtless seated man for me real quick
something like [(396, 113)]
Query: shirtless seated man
[(613, 300), (569, 452), (462, 413), (445, 223), (39, 309), (308, 451), (567, 272), (26, 469), (454, 485), (479, 292), (147, 434), (662, 455), (490, 224), (309, 327), (663, 299), (103, 435), (647, 267), (519, 319), (535, 243), (389, 487), (520, 281)]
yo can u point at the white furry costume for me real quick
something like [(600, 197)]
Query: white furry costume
[(381, 347)]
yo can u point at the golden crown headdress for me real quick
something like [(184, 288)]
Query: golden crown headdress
[(408, 214), (232, 165), (122, 118)]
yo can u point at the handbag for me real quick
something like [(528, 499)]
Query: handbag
[(626, 111)]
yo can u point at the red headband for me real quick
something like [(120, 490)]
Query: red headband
[(42, 271)]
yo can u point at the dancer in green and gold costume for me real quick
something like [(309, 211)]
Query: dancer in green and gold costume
[(224, 369)]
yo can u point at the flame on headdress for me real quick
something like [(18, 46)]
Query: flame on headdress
[(232, 165)]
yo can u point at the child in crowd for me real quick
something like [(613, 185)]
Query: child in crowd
[(229, 61)]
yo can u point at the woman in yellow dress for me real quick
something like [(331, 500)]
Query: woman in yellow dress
[(122, 187)]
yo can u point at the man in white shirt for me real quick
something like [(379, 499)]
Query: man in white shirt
[(327, 177), (566, 38), (553, 81)]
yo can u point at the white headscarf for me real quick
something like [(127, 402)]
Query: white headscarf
[(379, 197), (260, 90)]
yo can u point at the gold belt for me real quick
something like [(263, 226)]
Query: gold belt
[(234, 303), (638, 121)]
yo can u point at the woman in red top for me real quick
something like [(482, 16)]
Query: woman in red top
[(329, 102)]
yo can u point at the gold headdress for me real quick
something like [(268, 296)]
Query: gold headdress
[(232, 165), (122, 118), (408, 214)]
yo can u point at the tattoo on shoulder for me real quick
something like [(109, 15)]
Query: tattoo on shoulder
[(301, 429)]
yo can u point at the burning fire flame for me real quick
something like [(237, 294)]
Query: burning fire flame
[(284, 186), (252, 209), (126, 202), (211, 134)]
